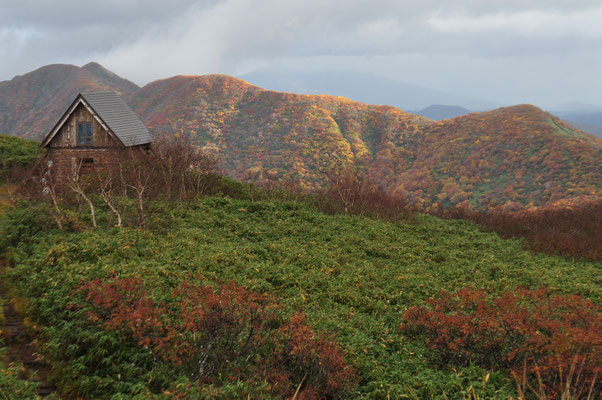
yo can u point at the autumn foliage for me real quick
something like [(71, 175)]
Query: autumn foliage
[(354, 194), (507, 157), (211, 332), (547, 341), (571, 230)]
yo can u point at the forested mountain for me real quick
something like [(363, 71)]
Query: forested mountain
[(510, 156), (438, 112), (32, 103), (261, 134)]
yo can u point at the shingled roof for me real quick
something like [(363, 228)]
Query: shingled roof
[(112, 112)]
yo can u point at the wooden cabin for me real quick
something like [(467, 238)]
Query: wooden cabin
[(92, 132)]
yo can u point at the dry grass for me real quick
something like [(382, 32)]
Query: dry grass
[(572, 383)]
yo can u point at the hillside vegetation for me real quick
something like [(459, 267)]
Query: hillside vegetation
[(16, 152), (329, 291), (498, 161), (260, 134), (516, 156), (511, 157), (31, 104)]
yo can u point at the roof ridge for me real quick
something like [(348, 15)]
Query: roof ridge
[(116, 114)]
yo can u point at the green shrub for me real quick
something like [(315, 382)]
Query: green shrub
[(17, 153), (12, 385), (23, 224)]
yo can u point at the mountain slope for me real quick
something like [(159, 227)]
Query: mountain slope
[(507, 156), (510, 155), (595, 130), (354, 277), (32, 103), (504, 157), (259, 133)]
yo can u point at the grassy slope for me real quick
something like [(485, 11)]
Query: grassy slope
[(353, 276), (12, 386), (15, 151)]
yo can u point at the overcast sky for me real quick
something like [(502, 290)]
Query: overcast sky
[(511, 51)]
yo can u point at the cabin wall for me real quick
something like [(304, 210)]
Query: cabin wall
[(68, 157), (68, 162), (66, 137)]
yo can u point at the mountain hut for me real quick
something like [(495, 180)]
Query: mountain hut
[(92, 132)]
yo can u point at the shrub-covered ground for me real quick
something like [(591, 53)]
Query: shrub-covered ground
[(353, 278), (12, 385), (17, 152)]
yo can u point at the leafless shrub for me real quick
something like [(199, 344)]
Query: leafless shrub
[(354, 194)]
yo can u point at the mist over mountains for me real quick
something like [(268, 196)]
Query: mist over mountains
[(373, 89), (360, 86)]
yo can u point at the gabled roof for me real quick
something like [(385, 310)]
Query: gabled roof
[(113, 114)]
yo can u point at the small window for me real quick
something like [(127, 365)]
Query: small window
[(80, 133), (84, 133), (88, 133), (88, 161)]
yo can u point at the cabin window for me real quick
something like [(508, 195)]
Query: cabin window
[(85, 164), (84, 133)]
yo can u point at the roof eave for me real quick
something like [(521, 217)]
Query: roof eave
[(79, 99)]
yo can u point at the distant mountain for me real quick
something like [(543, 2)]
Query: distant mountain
[(574, 107), (30, 104), (259, 133), (587, 119), (509, 156), (513, 155), (595, 130), (439, 112), (359, 86)]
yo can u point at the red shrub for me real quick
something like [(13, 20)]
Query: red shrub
[(224, 330), (545, 333), (571, 230)]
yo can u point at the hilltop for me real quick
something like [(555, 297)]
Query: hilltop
[(31, 104), (259, 133), (508, 157), (438, 112)]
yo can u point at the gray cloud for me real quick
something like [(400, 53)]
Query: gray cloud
[(516, 50)]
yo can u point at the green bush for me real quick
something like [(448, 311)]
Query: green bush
[(17, 153), (352, 276), (24, 224), (12, 385)]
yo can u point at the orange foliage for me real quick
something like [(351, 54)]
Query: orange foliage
[(545, 336), (224, 330)]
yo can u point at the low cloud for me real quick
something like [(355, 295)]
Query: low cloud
[(147, 40)]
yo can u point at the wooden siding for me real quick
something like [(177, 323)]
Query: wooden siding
[(66, 137), (65, 162), (67, 157)]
